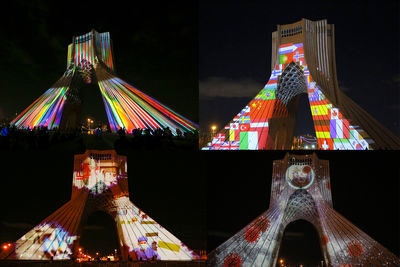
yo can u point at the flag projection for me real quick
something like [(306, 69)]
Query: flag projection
[(90, 56), (301, 191), (100, 182), (302, 63)]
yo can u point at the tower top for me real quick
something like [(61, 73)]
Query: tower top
[(90, 49)]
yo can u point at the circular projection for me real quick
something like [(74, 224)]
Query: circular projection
[(300, 176)]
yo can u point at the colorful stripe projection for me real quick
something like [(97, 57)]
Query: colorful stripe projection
[(249, 129), (129, 108), (84, 51), (44, 112), (103, 44)]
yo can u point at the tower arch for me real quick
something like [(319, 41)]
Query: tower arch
[(291, 83), (98, 233), (300, 244)]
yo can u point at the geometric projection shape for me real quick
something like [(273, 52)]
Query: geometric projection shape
[(90, 58), (342, 243), (100, 182), (303, 61)]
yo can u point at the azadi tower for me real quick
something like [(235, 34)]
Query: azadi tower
[(301, 190), (90, 60), (303, 62), (100, 183)]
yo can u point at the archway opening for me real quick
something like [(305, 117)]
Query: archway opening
[(304, 131), (93, 106), (295, 130), (300, 246), (99, 235)]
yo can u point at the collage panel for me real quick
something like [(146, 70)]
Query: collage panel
[(110, 115), (297, 208), (295, 203), (317, 93), (102, 205)]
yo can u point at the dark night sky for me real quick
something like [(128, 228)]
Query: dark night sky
[(155, 49), (235, 53), (364, 184)]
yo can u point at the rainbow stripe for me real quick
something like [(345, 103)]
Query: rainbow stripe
[(45, 111), (129, 108)]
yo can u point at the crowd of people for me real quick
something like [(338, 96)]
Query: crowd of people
[(43, 138)]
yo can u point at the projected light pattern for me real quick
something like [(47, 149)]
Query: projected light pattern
[(103, 44), (129, 108), (126, 107), (302, 196), (249, 130), (98, 175), (45, 111), (146, 239), (83, 50), (100, 182), (44, 242)]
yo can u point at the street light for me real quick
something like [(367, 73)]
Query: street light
[(213, 130), (89, 122)]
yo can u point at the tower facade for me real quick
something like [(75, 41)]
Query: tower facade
[(303, 61), (301, 190), (90, 59), (100, 183)]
